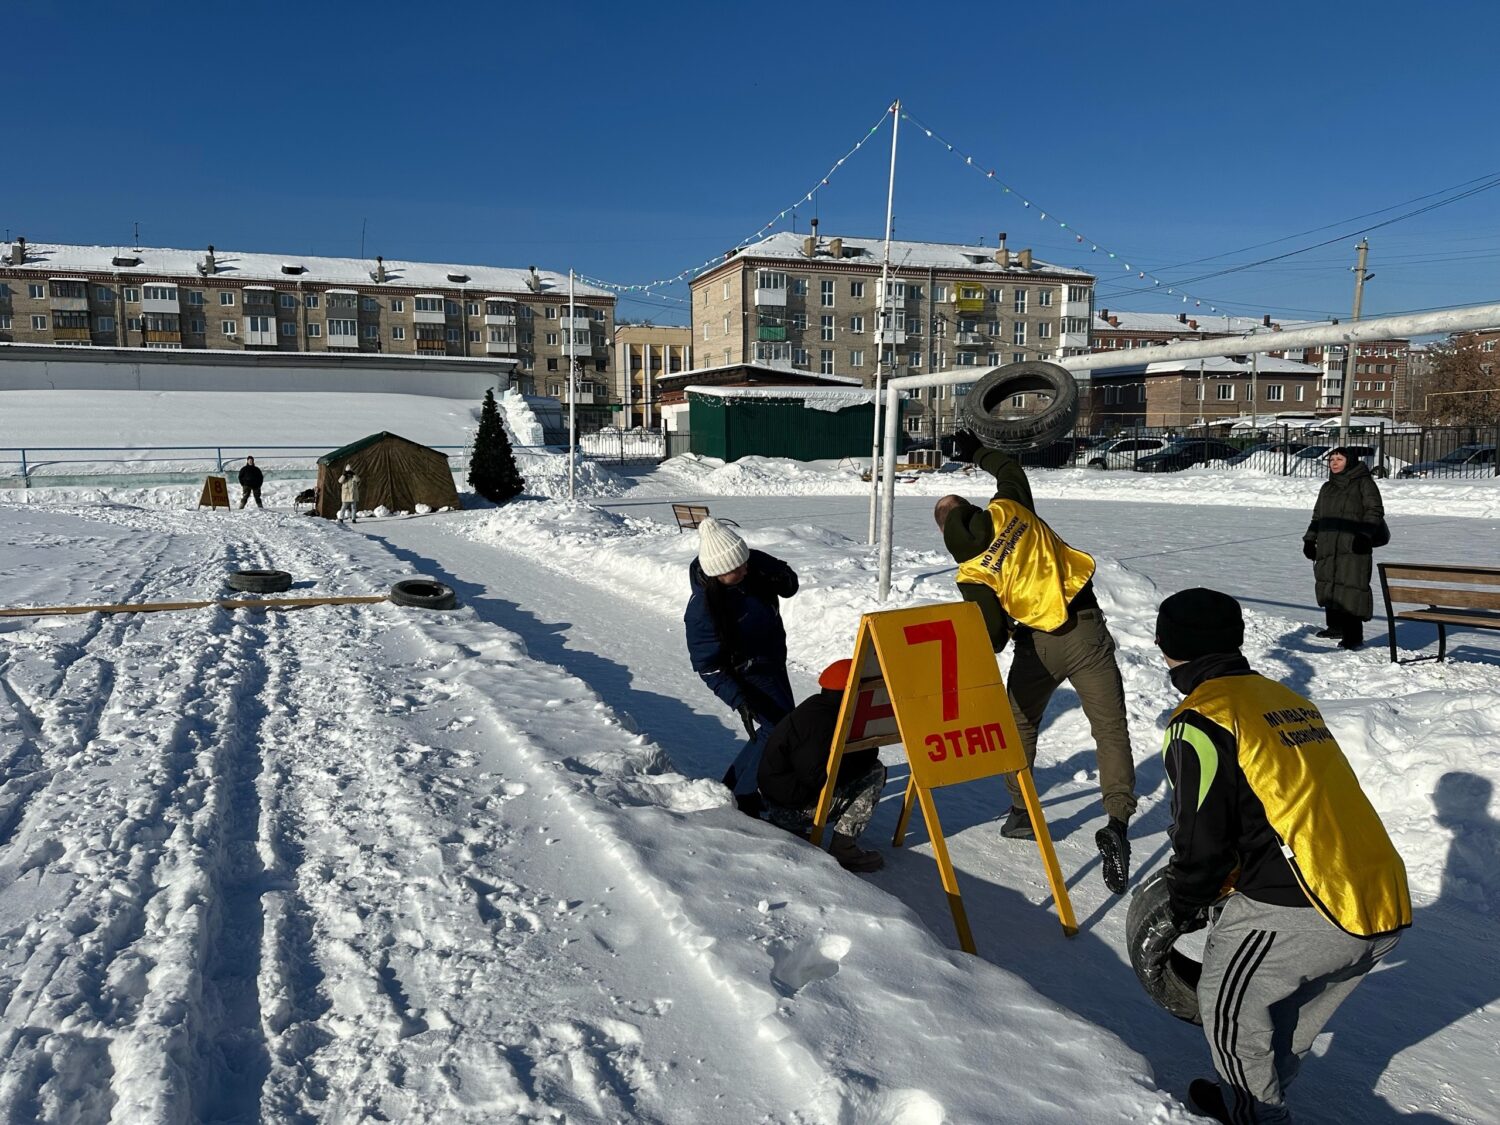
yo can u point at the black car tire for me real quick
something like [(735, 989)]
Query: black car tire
[(1380, 472), (1096, 463), (981, 411), (1169, 977), (423, 593), (259, 581)]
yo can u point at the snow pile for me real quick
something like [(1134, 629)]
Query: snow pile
[(520, 421)]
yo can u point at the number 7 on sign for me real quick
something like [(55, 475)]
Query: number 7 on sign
[(947, 638)]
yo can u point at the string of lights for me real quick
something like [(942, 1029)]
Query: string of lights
[(806, 197)]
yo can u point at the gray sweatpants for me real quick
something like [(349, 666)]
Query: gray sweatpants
[(1272, 976), (1082, 652)]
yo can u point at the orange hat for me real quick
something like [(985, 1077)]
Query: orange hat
[(836, 676)]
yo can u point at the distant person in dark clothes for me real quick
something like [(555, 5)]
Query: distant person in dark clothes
[(737, 644), (251, 478), (1348, 522), (1023, 576), (1269, 822), (795, 768)]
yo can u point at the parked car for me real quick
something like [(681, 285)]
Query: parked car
[(1054, 455), (1182, 453), (1472, 460), (1310, 460), (1120, 453), (1263, 451)]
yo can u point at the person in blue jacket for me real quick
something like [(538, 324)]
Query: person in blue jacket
[(737, 643)]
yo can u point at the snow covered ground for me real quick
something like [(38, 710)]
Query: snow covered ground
[(364, 863)]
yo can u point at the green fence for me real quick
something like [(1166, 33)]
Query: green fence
[(731, 427)]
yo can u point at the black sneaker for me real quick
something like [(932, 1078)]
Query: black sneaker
[(1114, 855), (1351, 643), (1017, 825), (1329, 633), (1206, 1099)]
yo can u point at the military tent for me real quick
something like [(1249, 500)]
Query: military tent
[(394, 473)]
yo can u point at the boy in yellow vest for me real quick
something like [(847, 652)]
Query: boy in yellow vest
[(1026, 579), (1265, 802)]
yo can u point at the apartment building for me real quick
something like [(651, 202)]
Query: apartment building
[(814, 304), (1381, 376), (216, 300), (644, 354)]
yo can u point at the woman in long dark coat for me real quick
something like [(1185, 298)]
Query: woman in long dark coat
[(1348, 522)]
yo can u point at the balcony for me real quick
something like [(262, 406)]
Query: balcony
[(432, 347), (765, 332), (160, 305), (70, 304), (500, 347), (890, 336), (776, 297), (436, 314), (161, 336), (970, 340), (502, 320), (72, 335), (577, 323), (969, 304)]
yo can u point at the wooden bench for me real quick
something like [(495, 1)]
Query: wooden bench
[(689, 516), (1451, 595)]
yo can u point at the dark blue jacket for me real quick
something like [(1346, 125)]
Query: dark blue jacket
[(735, 637)]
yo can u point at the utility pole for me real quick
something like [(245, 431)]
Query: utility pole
[(1254, 376), (1360, 277), (572, 393), (1202, 398), (885, 327)]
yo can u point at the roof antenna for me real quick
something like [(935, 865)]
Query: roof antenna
[(137, 225), (362, 223)]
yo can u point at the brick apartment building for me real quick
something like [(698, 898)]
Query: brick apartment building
[(813, 304), (216, 300)]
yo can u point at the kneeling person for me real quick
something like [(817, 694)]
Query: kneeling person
[(795, 767)]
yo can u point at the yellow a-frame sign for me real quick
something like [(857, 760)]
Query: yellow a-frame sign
[(215, 493), (927, 678)]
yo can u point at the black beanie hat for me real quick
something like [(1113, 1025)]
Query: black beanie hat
[(1193, 623)]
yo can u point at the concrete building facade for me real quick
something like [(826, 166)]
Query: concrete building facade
[(216, 300), (814, 304), (644, 353)]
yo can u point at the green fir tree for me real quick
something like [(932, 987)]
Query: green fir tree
[(492, 466)]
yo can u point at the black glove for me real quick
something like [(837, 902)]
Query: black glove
[(1363, 545), (1186, 920), (1309, 550), (747, 716), (965, 445)]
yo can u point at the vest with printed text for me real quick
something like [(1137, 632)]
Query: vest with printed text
[(1329, 832), (1032, 571)]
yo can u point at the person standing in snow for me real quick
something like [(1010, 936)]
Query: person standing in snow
[(737, 644), (794, 769), (349, 494), (1265, 803), (1348, 522), (1023, 576), (251, 478)]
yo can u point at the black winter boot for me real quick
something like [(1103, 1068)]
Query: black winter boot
[(852, 857), (1017, 825), (1206, 1099), (1114, 854)]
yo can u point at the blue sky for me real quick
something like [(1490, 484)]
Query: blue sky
[(632, 141)]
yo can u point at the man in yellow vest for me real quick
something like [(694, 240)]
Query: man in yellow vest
[(1265, 804), (1026, 579)]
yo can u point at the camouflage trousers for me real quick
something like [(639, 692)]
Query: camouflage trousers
[(854, 802)]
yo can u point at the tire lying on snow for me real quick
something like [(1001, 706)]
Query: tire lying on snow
[(259, 581), (984, 409), (1169, 977), (424, 593)]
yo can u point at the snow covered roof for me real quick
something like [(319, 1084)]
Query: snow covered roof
[(1198, 323), (1229, 365), (852, 380), (832, 399), (904, 255), (232, 265)]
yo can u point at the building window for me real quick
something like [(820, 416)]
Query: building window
[(289, 300), (471, 308), (825, 328), (198, 327), (552, 366), (1044, 330), (194, 297), (372, 332), (37, 291), (914, 359), (966, 359), (856, 289), (825, 361), (226, 297), (549, 311), (770, 279), (857, 358), (826, 294), (726, 324), (1018, 357), (260, 323), (312, 300), (398, 332), (453, 335), (133, 324), (473, 335), (369, 304), (913, 326), (551, 338), (726, 289), (342, 328), (994, 296), (856, 324), (398, 304), (1080, 324), (1020, 301), (161, 293), (1044, 298), (1274, 392), (106, 324), (288, 328), (1078, 293), (229, 327), (39, 323), (993, 359), (103, 295), (1018, 332), (799, 357), (131, 294), (799, 322), (5, 322), (1226, 392), (314, 331)]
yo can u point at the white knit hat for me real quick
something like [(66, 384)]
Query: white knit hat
[(719, 549)]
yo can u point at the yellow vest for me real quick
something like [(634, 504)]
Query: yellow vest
[(1329, 832), (1032, 571)]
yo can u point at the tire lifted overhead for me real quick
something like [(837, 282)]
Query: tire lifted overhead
[(984, 408)]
